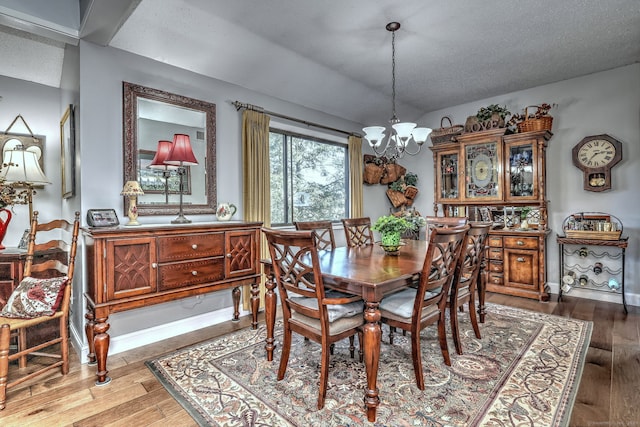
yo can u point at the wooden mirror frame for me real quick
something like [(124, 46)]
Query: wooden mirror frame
[(131, 92)]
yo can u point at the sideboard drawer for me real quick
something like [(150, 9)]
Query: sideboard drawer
[(496, 266), (495, 253), (182, 274), (190, 246), (521, 242), (496, 279), (495, 241)]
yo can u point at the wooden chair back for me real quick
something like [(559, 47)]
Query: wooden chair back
[(464, 286), (324, 233), (358, 231)]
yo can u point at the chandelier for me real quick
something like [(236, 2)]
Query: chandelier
[(401, 135)]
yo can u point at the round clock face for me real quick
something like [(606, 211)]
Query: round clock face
[(596, 153), (481, 172)]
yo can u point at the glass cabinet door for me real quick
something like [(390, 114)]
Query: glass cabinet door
[(521, 173), (447, 189), (482, 170)]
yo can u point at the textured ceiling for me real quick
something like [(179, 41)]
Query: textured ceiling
[(335, 55)]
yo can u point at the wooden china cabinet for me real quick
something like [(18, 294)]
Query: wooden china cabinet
[(492, 176)]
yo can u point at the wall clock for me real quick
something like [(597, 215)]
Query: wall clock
[(595, 155)]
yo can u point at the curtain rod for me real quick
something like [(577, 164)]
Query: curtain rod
[(240, 105)]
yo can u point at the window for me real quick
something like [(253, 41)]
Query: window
[(309, 178)]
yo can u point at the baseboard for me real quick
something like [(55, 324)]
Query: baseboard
[(632, 299), (136, 339)]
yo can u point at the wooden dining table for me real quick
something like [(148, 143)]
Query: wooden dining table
[(368, 272)]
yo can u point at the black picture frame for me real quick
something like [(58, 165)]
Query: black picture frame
[(102, 218)]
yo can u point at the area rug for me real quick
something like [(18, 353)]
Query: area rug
[(524, 371)]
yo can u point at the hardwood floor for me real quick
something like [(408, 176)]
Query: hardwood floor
[(608, 393)]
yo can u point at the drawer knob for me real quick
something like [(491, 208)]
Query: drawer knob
[(519, 243), (229, 256), (194, 273), (520, 259), (496, 280), (194, 246), (154, 265)]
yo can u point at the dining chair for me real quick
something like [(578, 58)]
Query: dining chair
[(324, 232), (358, 231), (413, 309), (445, 221), (323, 317), (465, 283), (43, 294)]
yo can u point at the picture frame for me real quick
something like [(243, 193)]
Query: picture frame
[(24, 240), (67, 152)]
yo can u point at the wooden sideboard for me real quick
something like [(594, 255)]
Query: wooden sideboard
[(133, 267)]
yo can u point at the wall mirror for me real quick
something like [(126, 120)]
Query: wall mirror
[(152, 115)]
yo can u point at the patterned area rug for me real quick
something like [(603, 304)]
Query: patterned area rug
[(525, 371)]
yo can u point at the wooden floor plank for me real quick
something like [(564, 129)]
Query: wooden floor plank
[(625, 392)]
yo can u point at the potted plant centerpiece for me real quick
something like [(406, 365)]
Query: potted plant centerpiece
[(391, 228)]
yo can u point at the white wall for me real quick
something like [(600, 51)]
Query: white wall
[(102, 71), (607, 102)]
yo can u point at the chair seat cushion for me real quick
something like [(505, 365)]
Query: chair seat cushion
[(334, 311), (35, 297), (400, 304)]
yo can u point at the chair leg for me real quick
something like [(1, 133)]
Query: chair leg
[(417, 358), (5, 339), (22, 344), (352, 347), (331, 348), (392, 330), (455, 330), (442, 337), (361, 345), (324, 377), (64, 331), (286, 349), (472, 315)]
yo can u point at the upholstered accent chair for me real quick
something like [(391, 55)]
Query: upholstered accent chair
[(323, 316)]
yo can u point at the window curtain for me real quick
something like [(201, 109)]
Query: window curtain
[(355, 176), (256, 178)]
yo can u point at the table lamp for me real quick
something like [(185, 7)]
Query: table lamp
[(181, 155), (21, 168), (132, 190), (158, 162)]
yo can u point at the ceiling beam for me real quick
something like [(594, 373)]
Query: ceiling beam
[(101, 19)]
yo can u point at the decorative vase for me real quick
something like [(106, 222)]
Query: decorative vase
[(390, 242), (225, 211), (4, 224)]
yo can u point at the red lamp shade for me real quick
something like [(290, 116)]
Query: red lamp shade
[(181, 153), (162, 154)]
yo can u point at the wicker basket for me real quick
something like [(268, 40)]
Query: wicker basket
[(372, 173), (446, 134), (533, 124), (393, 172), (396, 198)]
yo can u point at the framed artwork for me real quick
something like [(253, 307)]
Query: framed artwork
[(68, 153), (102, 218)]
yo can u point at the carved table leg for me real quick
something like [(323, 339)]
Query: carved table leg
[(270, 311), (372, 336), (88, 330), (5, 339), (235, 294), (101, 346), (255, 303)]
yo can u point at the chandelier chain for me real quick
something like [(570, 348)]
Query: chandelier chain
[(394, 118)]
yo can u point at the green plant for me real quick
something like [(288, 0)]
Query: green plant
[(416, 221), (410, 178), (485, 113), (391, 224), (397, 185), (524, 212)]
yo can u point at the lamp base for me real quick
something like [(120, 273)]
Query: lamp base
[(181, 220), (134, 222)]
